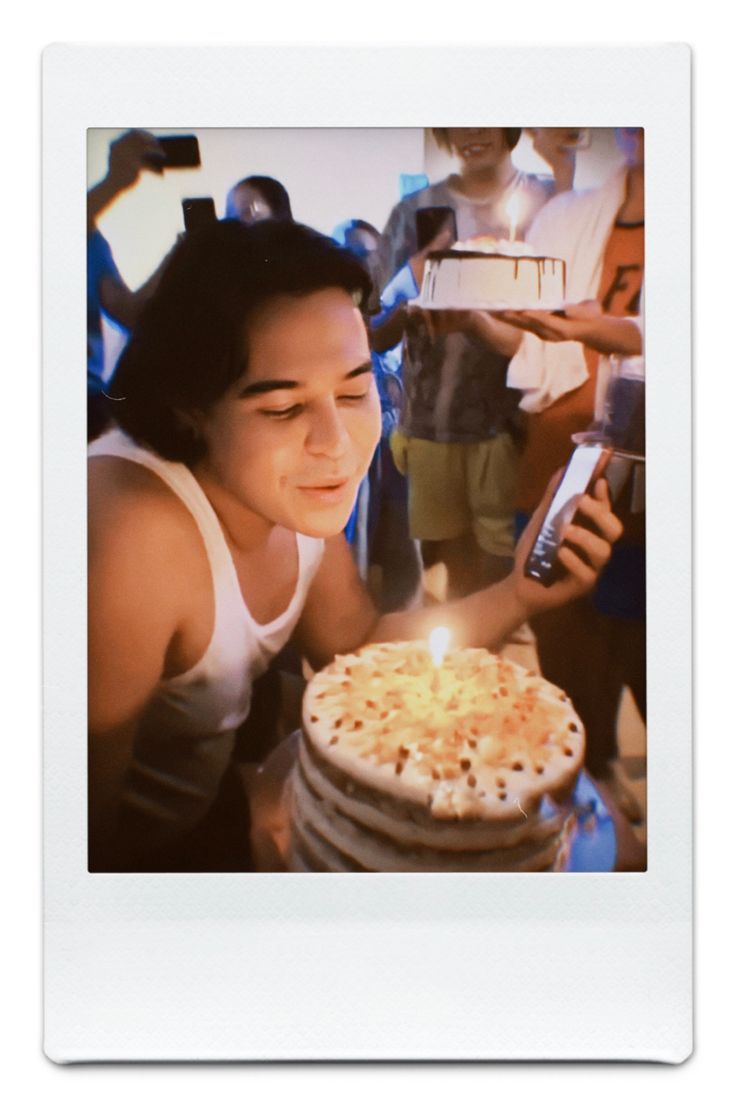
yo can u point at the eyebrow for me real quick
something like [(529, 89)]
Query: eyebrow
[(261, 387)]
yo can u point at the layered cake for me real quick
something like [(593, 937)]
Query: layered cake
[(486, 273), (409, 766)]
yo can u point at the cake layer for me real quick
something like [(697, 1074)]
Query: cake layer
[(337, 842), (413, 825), (463, 279)]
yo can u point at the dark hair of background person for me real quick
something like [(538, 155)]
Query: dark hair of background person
[(273, 191), (190, 344), (511, 137)]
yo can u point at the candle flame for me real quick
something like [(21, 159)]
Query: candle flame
[(439, 642), (513, 205)]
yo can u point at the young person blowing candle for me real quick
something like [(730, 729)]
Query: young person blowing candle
[(246, 417)]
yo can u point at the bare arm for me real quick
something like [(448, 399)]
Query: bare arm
[(554, 145), (134, 152), (499, 336), (339, 615), (123, 304), (584, 322), (388, 333), (132, 621), (131, 154)]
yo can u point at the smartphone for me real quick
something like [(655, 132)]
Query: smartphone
[(198, 213), (429, 222), (585, 466), (180, 151)]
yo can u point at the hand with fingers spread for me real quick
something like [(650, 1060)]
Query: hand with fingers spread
[(584, 553)]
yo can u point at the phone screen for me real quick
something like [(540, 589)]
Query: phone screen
[(586, 464), (429, 222)]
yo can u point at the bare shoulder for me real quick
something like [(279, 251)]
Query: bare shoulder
[(140, 533), (129, 502), (147, 573)]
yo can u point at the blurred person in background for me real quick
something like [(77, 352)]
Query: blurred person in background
[(378, 528), (134, 153), (597, 645), (256, 198), (461, 431)]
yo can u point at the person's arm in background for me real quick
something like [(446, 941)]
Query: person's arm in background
[(134, 152), (584, 322), (554, 145), (387, 328), (500, 337)]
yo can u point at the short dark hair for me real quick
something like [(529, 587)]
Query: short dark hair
[(189, 346), (272, 190), (511, 136)]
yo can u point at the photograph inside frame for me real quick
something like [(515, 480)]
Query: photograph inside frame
[(365, 418)]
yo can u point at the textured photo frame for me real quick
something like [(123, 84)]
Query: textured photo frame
[(228, 967)]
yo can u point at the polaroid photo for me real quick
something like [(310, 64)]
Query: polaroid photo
[(362, 557)]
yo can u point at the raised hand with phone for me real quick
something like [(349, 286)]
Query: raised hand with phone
[(129, 156), (544, 562)]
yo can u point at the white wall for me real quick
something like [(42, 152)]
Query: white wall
[(330, 175)]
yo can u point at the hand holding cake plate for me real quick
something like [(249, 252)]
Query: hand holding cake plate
[(569, 323)]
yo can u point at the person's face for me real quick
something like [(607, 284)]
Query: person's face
[(293, 438), (478, 147), (250, 206)]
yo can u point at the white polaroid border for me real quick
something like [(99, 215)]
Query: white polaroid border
[(253, 966)]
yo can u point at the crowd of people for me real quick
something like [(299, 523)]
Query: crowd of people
[(288, 442)]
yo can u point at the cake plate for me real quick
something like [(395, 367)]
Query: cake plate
[(593, 845), (497, 306)]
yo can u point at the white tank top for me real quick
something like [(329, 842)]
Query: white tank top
[(187, 734)]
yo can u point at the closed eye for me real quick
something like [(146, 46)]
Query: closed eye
[(285, 413)]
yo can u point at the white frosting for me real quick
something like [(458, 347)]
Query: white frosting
[(500, 247), (509, 275)]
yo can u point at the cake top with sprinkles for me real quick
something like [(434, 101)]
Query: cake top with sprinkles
[(475, 736)]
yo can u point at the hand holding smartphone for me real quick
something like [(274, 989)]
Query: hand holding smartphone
[(586, 465)]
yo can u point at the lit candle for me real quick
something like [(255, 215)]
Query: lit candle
[(512, 213), (439, 642)]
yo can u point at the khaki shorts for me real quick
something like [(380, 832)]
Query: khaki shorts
[(458, 488)]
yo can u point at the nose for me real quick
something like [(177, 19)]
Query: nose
[(327, 434)]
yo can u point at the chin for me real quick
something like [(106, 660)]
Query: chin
[(324, 523), (323, 528)]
